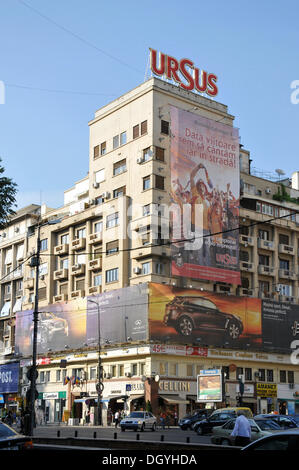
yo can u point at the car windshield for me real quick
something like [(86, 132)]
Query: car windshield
[(6, 431), (267, 424), (136, 414), (295, 418)]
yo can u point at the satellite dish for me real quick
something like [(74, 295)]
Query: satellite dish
[(280, 172)]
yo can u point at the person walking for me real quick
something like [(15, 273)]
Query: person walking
[(242, 430), (116, 418)]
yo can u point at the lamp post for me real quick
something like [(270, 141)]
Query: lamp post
[(100, 385), (35, 262)]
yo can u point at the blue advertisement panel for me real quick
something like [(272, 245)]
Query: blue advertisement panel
[(9, 378)]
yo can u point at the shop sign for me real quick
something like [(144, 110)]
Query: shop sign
[(50, 396), (179, 350), (248, 390), (9, 378), (183, 72), (266, 390), (174, 386)]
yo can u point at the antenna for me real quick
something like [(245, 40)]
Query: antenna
[(147, 67)]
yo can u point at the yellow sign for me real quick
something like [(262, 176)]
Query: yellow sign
[(266, 390)]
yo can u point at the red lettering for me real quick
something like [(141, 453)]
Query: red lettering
[(214, 90), (172, 68), (201, 87), (187, 75), (153, 59)]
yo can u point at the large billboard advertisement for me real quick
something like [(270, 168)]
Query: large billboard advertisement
[(205, 194), (280, 324), (193, 316)]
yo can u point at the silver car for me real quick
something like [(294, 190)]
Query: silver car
[(259, 428), (139, 421)]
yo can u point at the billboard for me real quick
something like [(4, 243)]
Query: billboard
[(191, 316), (280, 324), (205, 195), (9, 378), (209, 386)]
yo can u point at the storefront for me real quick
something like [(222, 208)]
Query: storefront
[(288, 399), (50, 406), (9, 387), (266, 397)]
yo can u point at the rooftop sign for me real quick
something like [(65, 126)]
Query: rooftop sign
[(183, 72)]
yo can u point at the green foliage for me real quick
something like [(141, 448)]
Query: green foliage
[(284, 196), (8, 190), (148, 407)]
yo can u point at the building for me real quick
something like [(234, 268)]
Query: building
[(110, 238)]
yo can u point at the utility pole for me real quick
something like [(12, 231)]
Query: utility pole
[(100, 385)]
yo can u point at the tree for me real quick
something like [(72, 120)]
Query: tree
[(149, 407), (8, 190)]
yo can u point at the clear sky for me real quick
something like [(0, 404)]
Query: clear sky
[(61, 60)]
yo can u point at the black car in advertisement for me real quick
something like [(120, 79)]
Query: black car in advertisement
[(189, 313)]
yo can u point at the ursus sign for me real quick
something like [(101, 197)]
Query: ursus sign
[(183, 72)]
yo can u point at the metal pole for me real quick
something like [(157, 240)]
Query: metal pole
[(100, 385), (35, 327)]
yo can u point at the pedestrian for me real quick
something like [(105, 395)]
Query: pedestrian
[(242, 430), (116, 418), (162, 421), (175, 417)]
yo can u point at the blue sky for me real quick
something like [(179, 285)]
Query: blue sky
[(61, 60)]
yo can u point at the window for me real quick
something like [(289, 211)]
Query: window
[(119, 167), (99, 176), (283, 239), (112, 275), (173, 369), (160, 154), (96, 151), (283, 376), (112, 248), (146, 209), (43, 269), (64, 263), (264, 235), (134, 369), (115, 141), (244, 256), (164, 127), (80, 284), (81, 233), (93, 373), (264, 260), (270, 375), (121, 371), (146, 183), (123, 138), (80, 258), (248, 374), (112, 220), (136, 131), (143, 127), (145, 268), (58, 375), (264, 287), (97, 280), (113, 371), (163, 368), (284, 264), (262, 375), (290, 377), (159, 182), (189, 370), (285, 289), (63, 288), (147, 154), (119, 192), (159, 268), (142, 368), (44, 244), (103, 148), (64, 239), (42, 293), (98, 227)]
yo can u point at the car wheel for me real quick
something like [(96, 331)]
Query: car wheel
[(225, 442), (199, 431), (185, 326), (233, 330), (154, 427), (123, 429)]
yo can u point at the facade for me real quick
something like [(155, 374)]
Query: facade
[(109, 238)]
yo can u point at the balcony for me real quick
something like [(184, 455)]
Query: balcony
[(61, 274), (95, 238), (29, 283), (286, 274), (61, 249), (77, 294), (95, 264), (266, 270), (246, 266), (286, 249), (78, 269), (78, 244), (246, 292), (60, 298), (223, 289), (265, 244), (246, 240), (95, 290)]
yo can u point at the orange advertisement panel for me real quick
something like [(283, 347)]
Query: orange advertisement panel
[(191, 316), (205, 195)]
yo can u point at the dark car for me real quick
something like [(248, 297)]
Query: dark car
[(12, 440), (188, 313), (285, 422), (50, 327), (217, 418), (283, 440), (188, 421)]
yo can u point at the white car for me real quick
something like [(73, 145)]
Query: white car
[(139, 421)]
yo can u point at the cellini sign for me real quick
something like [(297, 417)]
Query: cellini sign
[(183, 72)]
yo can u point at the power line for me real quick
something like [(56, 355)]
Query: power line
[(49, 90)]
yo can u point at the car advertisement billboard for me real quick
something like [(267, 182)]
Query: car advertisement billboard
[(205, 196), (193, 316), (280, 324), (209, 386)]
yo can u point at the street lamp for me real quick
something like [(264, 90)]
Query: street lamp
[(100, 385), (35, 262)]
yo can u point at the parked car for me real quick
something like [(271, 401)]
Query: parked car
[(295, 418), (218, 418), (259, 428), (139, 421), (12, 440), (188, 313), (50, 326), (284, 421), (282, 440), (188, 420)]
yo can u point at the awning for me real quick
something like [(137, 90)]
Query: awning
[(85, 399), (174, 400), (135, 397), (117, 397)]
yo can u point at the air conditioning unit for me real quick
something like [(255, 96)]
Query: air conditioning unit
[(140, 160), (92, 202), (128, 374), (4, 235), (106, 195), (107, 375), (76, 266), (137, 270), (96, 185)]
